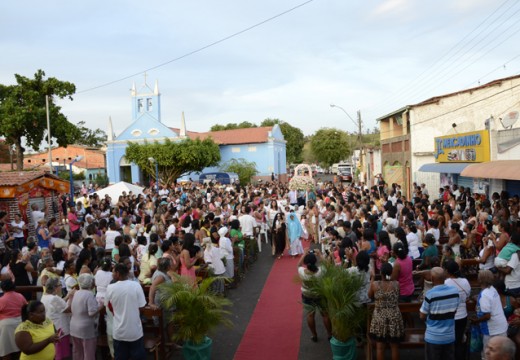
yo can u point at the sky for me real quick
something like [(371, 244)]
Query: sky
[(372, 56)]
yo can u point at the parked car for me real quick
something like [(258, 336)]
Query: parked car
[(345, 175)]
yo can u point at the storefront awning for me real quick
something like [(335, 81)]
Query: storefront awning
[(499, 169), (450, 168)]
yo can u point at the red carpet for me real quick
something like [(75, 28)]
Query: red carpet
[(274, 329)]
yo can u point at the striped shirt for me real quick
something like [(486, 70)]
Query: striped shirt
[(440, 304)]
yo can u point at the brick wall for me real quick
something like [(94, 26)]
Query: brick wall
[(11, 205)]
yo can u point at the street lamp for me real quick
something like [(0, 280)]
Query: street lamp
[(76, 159), (346, 113), (152, 160), (357, 123)]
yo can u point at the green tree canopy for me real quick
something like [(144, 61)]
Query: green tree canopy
[(245, 169), (330, 145), (23, 113), (233, 126), (94, 138), (174, 157), (293, 136)]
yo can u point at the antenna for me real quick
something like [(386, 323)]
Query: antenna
[(509, 119)]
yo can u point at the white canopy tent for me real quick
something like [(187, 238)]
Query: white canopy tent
[(116, 190)]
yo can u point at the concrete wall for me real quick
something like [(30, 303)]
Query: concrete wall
[(469, 111)]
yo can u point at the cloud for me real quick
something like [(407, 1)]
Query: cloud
[(391, 7)]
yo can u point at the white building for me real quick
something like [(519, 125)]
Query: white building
[(459, 124)]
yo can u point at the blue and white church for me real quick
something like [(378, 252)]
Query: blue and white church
[(265, 146)]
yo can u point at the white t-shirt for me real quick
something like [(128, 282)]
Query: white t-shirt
[(363, 290), (512, 279), (213, 255), (20, 225), (171, 231), (74, 249), (247, 223), (125, 298), (490, 303), (54, 310), (305, 276), (464, 288), (70, 282), (37, 215), (110, 237), (413, 245), (103, 279)]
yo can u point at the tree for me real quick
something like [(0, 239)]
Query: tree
[(174, 157), (94, 138), (330, 145), (293, 136), (233, 126), (245, 169), (23, 113)]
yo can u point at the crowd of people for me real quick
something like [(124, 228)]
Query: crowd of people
[(104, 251)]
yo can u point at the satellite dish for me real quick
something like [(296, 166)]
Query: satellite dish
[(509, 119)]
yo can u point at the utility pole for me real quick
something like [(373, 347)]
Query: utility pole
[(360, 136), (48, 130), (360, 141)]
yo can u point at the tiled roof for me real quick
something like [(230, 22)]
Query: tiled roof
[(13, 178), (489, 84), (93, 158), (236, 136)]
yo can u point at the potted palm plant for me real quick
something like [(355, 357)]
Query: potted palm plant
[(194, 310), (337, 289)]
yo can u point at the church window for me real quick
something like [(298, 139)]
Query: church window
[(140, 105), (149, 104), (251, 148), (235, 149)]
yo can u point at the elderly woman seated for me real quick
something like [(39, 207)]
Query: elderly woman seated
[(85, 309)]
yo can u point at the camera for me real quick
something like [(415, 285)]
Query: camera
[(311, 251)]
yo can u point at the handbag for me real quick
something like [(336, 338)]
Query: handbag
[(476, 345)]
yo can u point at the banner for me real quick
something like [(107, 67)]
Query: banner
[(472, 147)]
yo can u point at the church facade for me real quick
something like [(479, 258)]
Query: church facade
[(265, 146)]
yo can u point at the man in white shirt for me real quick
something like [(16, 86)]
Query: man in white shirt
[(124, 299), (37, 215), (293, 197), (247, 223), (171, 230), (164, 192)]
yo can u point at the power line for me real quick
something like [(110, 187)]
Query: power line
[(495, 69), (199, 49), (442, 60), (467, 105), (492, 41)]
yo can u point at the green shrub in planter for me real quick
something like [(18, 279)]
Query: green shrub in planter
[(195, 311), (338, 289)]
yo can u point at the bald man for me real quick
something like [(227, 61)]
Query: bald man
[(500, 348), (438, 309)]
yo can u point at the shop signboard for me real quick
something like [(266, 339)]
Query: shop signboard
[(472, 147)]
